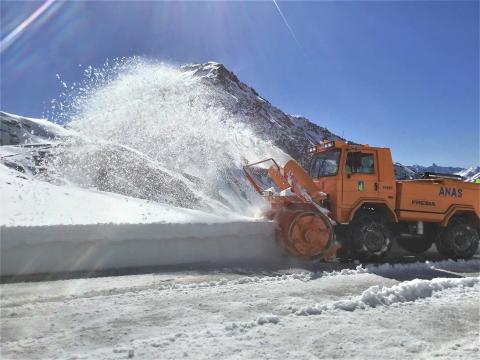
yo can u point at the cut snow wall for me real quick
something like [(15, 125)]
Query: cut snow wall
[(47, 249)]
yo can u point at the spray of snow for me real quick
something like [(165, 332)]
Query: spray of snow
[(153, 131)]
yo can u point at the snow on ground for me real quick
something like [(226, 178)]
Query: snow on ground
[(30, 202), (237, 314)]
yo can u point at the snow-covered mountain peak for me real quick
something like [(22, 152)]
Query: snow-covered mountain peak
[(211, 70), (294, 134), (218, 75)]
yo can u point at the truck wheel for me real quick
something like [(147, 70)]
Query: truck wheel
[(459, 241), (370, 238), (415, 245)]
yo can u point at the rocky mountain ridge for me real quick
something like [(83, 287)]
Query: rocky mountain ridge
[(291, 133)]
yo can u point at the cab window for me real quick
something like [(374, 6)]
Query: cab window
[(358, 162), (325, 164)]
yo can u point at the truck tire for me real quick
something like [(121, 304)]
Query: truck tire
[(415, 245), (458, 241), (369, 238)]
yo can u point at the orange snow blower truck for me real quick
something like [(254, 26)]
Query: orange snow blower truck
[(350, 201)]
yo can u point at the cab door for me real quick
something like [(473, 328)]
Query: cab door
[(360, 178)]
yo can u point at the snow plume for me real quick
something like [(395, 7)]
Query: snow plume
[(153, 131), (387, 296)]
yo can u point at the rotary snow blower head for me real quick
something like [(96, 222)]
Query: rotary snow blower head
[(297, 206)]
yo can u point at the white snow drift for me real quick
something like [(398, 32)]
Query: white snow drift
[(385, 296)]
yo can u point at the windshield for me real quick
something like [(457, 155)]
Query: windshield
[(325, 164)]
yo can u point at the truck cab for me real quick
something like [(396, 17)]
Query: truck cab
[(353, 175), (365, 197)]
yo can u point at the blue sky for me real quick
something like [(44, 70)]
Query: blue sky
[(387, 73)]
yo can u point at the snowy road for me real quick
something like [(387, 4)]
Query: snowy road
[(367, 312)]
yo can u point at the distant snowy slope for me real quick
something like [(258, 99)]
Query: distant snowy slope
[(19, 130), (30, 202), (405, 172), (436, 169), (471, 174), (25, 143), (32, 147)]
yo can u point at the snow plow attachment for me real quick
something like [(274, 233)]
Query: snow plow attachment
[(304, 228)]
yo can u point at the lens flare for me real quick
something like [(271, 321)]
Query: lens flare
[(15, 33)]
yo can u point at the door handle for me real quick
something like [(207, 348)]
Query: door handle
[(375, 186)]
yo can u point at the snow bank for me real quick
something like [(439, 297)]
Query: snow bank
[(45, 249), (408, 270), (386, 296), (460, 265)]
